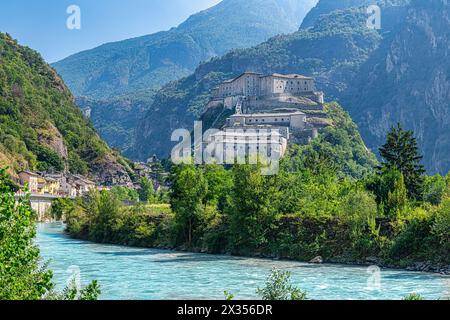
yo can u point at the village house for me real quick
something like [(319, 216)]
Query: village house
[(80, 185), (52, 186), (56, 184), (31, 179)]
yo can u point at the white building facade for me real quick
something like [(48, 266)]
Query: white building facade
[(293, 120)]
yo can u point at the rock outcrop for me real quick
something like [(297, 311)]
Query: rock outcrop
[(317, 260)]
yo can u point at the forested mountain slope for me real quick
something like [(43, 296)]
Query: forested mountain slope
[(40, 126)]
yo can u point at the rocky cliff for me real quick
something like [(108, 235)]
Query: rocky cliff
[(407, 80)]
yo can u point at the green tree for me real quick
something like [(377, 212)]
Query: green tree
[(189, 188), (397, 200), (390, 191), (401, 152), (358, 208), (125, 194), (220, 183), (441, 225), (435, 189), (146, 190), (254, 207), (21, 277), (104, 210), (278, 287)]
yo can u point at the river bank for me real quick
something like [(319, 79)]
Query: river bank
[(427, 267), (288, 216), (139, 273)]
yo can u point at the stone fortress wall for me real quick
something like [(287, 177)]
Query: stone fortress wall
[(288, 104)]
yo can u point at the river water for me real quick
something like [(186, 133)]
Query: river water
[(133, 273)]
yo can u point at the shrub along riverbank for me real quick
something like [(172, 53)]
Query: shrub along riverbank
[(395, 216)]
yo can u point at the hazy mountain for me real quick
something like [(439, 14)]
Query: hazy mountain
[(332, 51), (397, 74), (327, 6), (116, 118), (149, 62)]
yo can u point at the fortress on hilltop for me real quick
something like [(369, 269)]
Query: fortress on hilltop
[(248, 108)]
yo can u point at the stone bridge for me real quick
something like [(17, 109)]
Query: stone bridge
[(41, 203)]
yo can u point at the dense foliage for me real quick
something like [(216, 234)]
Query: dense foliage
[(102, 216), (339, 146), (308, 209), (401, 153), (22, 274), (40, 127)]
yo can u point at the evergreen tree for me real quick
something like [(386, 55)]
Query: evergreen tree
[(401, 152), (397, 199)]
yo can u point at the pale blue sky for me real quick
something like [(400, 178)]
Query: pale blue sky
[(41, 24)]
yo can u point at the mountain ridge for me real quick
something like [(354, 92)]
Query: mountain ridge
[(150, 61), (306, 52)]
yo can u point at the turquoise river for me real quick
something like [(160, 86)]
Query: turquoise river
[(133, 273)]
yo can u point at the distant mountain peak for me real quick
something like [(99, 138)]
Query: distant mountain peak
[(151, 61)]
